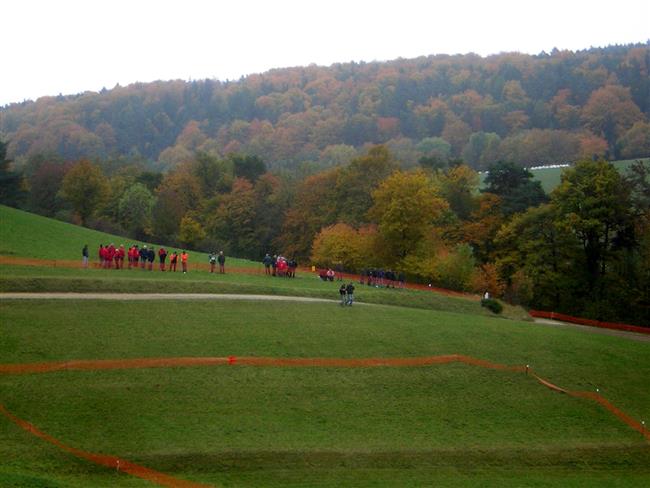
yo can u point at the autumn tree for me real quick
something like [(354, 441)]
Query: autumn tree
[(44, 186), (313, 207), (85, 187), (405, 206), (234, 222), (249, 167), (515, 186), (458, 186), (356, 182), (533, 246), (135, 209), (191, 232), (610, 111), (593, 203)]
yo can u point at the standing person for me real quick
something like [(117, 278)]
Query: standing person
[(101, 254), (84, 256), (135, 255), (350, 291), (172, 262), (343, 291), (274, 264), (110, 255), (119, 257), (144, 255), (151, 257), (267, 263), (293, 264), (162, 255), (184, 257), (222, 262), (212, 259)]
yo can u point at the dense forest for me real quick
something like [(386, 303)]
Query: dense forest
[(371, 165), (555, 107)]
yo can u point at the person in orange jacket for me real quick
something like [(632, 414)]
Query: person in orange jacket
[(184, 257)]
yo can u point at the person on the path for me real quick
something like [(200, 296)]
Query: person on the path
[(350, 291), (212, 259), (184, 257), (172, 261), (222, 262), (162, 255), (84, 256), (151, 257), (343, 291)]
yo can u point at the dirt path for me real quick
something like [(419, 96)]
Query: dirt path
[(594, 330), (215, 296), (157, 296)]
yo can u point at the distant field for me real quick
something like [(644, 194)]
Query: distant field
[(550, 177), (443, 425)]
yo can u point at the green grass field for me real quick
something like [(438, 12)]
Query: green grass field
[(551, 177), (248, 426), (244, 426)]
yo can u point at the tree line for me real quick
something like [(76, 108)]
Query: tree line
[(582, 250), (552, 107)]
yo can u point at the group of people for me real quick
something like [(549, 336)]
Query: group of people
[(347, 294), (380, 278), (214, 258), (111, 257), (279, 266)]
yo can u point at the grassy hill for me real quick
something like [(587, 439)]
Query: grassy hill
[(33, 236), (257, 426)]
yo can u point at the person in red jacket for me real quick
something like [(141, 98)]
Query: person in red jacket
[(184, 257), (172, 261), (112, 255)]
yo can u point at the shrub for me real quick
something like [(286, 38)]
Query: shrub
[(492, 305)]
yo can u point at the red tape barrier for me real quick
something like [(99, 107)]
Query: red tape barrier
[(593, 323), (113, 462), (105, 364)]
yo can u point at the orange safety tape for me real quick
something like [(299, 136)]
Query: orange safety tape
[(590, 322), (80, 365), (638, 426), (113, 462)]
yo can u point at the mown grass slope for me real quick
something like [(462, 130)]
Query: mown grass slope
[(263, 426), (445, 425)]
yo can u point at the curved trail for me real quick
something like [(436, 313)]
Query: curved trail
[(167, 480), (280, 298)]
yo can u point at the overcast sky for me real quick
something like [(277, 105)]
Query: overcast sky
[(71, 46)]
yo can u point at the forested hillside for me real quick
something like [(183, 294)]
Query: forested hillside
[(554, 107)]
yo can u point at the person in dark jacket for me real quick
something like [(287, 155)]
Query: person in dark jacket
[(151, 257), (221, 259), (343, 292), (84, 256), (350, 292)]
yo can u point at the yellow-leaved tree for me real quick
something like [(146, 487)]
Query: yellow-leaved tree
[(406, 206)]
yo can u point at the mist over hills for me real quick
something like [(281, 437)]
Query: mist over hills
[(546, 108)]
